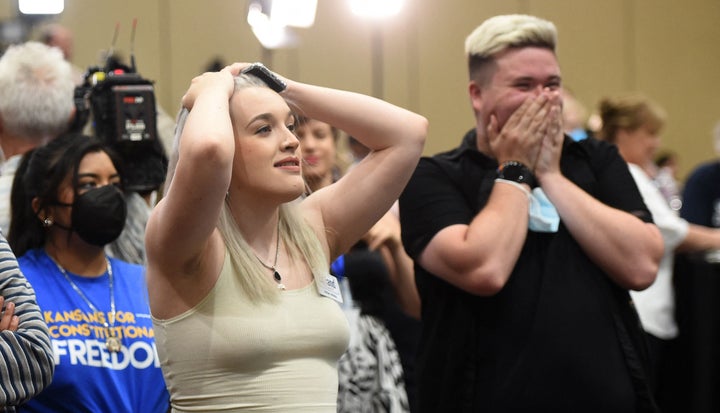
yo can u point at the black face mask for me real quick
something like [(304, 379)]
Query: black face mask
[(98, 215)]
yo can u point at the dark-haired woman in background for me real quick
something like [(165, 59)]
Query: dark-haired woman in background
[(66, 206)]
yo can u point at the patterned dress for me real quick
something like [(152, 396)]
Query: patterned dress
[(370, 372)]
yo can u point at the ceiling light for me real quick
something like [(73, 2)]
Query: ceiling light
[(41, 6), (377, 9)]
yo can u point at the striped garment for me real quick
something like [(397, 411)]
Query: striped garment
[(27, 362)]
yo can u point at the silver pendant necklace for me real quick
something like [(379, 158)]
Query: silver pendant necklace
[(112, 342), (276, 275)]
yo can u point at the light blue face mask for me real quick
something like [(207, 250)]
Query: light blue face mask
[(543, 215)]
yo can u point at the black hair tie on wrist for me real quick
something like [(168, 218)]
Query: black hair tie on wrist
[(268, 77)]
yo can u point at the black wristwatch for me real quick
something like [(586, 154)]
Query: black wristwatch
[(517, 172)]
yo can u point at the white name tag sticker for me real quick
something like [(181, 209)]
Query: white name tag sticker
[(329, 287)]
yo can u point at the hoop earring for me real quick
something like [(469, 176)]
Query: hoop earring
[(47, 222)]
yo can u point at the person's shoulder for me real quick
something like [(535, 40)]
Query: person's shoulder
[(127, 268), (705, 170), (30, 258), (9, 166), (590, 144), (468, 144), (32, 267), (599, 153), (458, 159)]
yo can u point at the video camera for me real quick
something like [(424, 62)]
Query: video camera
[(121, 106)]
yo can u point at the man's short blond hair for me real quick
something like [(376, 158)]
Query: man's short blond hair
[(499, 33)]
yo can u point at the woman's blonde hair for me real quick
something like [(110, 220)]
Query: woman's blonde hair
[(295, 232)]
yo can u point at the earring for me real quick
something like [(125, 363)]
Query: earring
[(47, 222)]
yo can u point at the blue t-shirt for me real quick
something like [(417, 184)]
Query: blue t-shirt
[(89, 378)]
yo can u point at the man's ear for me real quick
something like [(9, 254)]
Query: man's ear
[(475, 92), (71, 119)]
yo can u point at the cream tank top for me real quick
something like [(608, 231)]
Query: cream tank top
[(227, 354)]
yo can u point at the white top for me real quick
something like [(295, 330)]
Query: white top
[(656, 304), (7, 174)]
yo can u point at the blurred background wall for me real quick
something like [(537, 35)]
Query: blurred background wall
[(667, 49)]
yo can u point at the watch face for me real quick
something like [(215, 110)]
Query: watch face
[(512, 172), (517, 172)]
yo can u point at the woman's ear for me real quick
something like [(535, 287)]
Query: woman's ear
[(44, 216), (35, 204), (39, 213)]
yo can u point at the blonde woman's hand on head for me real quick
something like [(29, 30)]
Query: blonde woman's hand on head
[(220, 83), (236, 68)]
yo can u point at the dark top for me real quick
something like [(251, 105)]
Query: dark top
[(701, 196), (560, 336), (372, 290)]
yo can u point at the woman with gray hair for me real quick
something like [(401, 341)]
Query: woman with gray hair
[(36, 105)]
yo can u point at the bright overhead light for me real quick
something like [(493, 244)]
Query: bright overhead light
[(270, 34), (271, 20), (295, 13), (255, 16), (376, 9), (41, 6), (275, 37)]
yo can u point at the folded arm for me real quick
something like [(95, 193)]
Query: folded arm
[(480, 257), (26, 353)]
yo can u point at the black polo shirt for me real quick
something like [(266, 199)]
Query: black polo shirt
[(555, 338)]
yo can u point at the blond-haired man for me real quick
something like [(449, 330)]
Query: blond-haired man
[(526, 244)]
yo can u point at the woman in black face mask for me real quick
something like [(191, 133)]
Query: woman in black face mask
[(66, 205)]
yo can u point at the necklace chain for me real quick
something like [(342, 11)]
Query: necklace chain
[(277, 250), (112, 341), (276, 274)]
